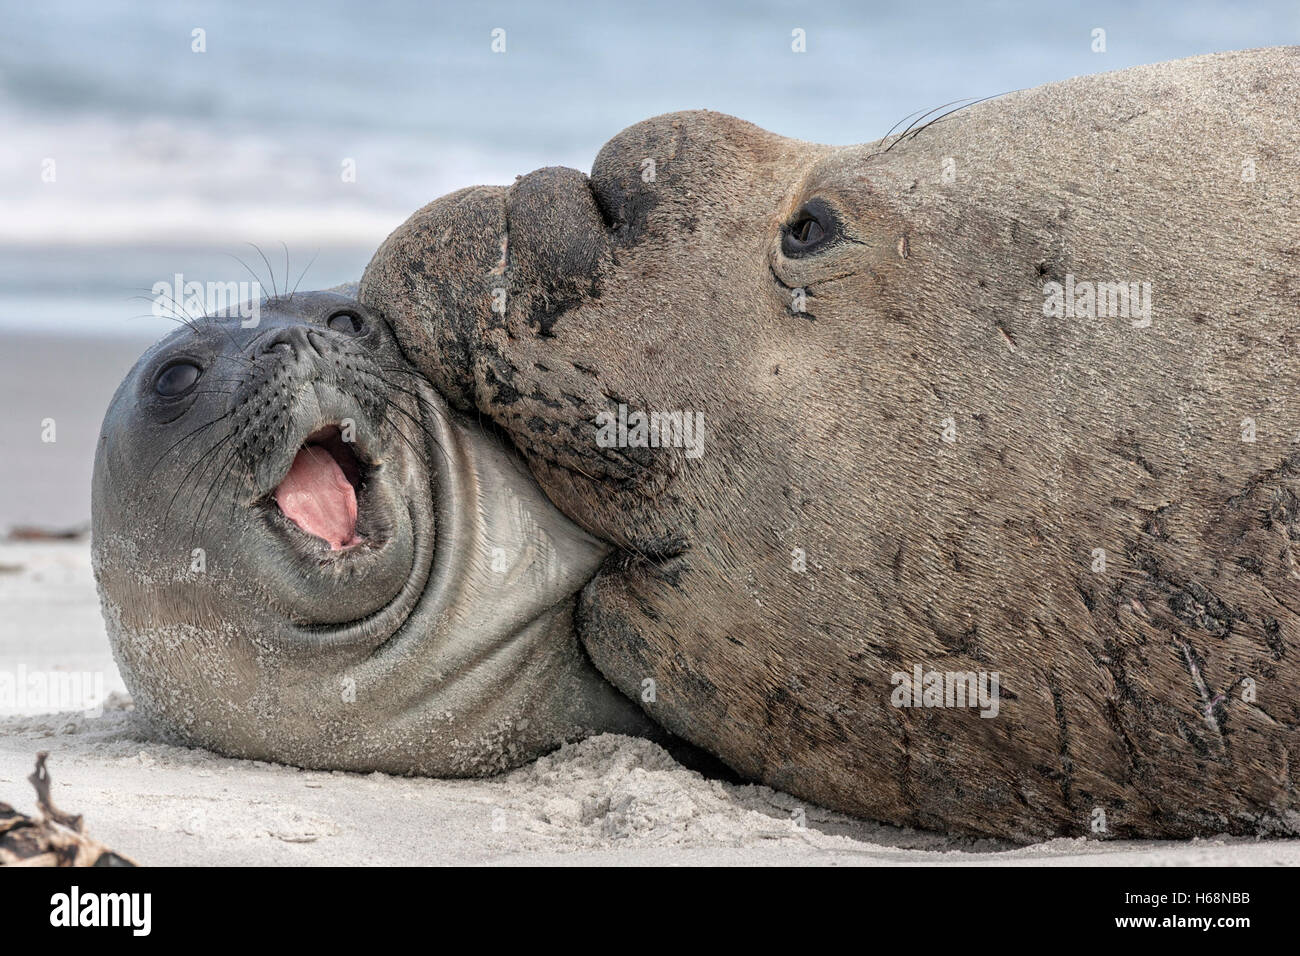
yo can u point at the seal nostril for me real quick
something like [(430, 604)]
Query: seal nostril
[(317, 342), (297, 339)]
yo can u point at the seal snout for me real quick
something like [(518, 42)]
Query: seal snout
[(319, 493)]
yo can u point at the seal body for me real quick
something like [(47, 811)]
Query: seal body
[(1009, 398)]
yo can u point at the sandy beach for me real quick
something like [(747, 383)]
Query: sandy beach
[(608, 800)]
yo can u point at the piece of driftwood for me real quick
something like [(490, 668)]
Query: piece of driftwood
[(37, 533), (55, 838)]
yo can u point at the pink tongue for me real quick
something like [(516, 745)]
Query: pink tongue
[(317, 497)]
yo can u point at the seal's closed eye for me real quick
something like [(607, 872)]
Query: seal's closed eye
[(813, 227), (177, 379)]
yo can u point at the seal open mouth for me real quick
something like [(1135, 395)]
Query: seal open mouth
[(319, 493)]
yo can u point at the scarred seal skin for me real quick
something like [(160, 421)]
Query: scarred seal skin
[(1011, 396)]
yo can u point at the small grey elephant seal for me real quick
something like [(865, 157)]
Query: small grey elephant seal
[(303, 555)]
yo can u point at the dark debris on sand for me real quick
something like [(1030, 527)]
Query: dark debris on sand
[(55, 838)]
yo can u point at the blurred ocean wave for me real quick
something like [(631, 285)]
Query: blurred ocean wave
[(166, 160)]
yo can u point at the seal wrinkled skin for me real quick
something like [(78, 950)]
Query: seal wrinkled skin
[(1099, 508)]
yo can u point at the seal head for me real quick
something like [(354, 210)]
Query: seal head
[(303, 555)]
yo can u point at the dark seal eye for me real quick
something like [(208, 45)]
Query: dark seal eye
[(177, 379), (348, 322), (813, 227)]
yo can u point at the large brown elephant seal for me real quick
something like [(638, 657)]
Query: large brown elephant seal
[(923, 533), (1011, 397)]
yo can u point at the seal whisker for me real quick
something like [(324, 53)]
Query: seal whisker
[(149, 295), (400, 432), (275, 293), (186, 437), (921, 117), (433, 438), (943, 106), (422, 428), (223, 473), (184, 318), (193, 325), (419, 398), (247, 362), (256, 278), (898, 124), (185, 315), (911, 133), (189, 321), (172, 304), (286, 267), (180, 320), (310, 263), (185, 478), (982, 99)]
